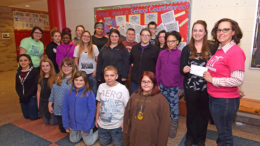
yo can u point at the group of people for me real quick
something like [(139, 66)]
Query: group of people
[(84, 83)]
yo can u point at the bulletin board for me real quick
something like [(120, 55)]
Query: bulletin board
[(25, 20), (255, 53), (169, 15)]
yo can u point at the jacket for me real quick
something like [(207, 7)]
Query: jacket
[(118, 57), (79, 110), (28, 88), (143, 60)]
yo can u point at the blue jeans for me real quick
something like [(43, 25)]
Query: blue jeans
[(223, 111), (134, 86), (29, 109), (106, 136), (90, 139), (92, 83), (171, 94)]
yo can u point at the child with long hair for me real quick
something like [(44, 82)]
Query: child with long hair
[(79, 108), (45, 82), (26, 86), (60, 88), (86, 55)]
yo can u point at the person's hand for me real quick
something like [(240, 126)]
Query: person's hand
[(94, 74), (50, 109), (123, 79), (96, 123), (122, 127), (68, 130), (186, 69), (207, 76)]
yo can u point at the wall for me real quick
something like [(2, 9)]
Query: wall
[(7, 46), (243, 11)]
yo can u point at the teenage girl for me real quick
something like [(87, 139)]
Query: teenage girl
[(60, 88), (46, 80), (85, 56), (79, 108), (26, 86)]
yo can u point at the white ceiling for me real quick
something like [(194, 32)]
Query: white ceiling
[(40, 5)]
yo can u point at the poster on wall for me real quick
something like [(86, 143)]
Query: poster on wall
[(168, 15), (255, 53), (27, 20)]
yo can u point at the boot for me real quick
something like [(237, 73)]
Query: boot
[(173, 128)]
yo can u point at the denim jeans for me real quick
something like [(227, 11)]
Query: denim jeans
[(171, 95), (90, 139), (106, 136), (223, 111), (29, 109), (134, 86), (92, 83)]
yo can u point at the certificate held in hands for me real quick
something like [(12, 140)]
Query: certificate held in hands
[(198, 70)]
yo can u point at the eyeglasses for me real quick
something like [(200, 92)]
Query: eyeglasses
[(37, 32), (171, 41), (224, 30), (146, 82), (86, 36), (145, 35)]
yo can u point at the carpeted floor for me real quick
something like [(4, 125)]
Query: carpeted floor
[(35, 133)]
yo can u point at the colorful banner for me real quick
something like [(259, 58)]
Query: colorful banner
[(168, 15)]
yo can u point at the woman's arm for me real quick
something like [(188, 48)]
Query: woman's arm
[(38, 95)]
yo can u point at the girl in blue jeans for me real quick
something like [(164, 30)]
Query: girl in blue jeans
[(79, 108), (26, 86)]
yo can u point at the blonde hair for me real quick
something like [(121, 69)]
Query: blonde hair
[(61, 75), (90, 46), (52, 73), (111, 68)]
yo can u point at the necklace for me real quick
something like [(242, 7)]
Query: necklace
[(140, 110)]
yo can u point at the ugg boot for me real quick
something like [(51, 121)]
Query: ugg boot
[(173, 128)]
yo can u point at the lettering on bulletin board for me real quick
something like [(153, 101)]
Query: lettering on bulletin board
[(169, 16)]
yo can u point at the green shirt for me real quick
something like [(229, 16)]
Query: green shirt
[(34, 49)]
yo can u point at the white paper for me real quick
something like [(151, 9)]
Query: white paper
[(149, 17), (134, 19), (138, 28), (160, 28), (120, 20), (122, 30), (198, 70), (172, 26), (168, 17)]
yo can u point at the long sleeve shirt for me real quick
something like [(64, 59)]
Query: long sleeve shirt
[(167, 69), (64, 50)]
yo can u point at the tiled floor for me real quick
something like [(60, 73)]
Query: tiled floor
[(10, 112)]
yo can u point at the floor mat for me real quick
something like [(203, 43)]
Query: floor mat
[(238, 141), (11, 135)]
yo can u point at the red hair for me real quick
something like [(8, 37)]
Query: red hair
[(152, 77)]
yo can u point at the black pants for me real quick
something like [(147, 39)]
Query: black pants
[(197, 115), (59, 118)]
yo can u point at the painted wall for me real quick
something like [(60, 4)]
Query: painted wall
[(243, 11), (7, 46)]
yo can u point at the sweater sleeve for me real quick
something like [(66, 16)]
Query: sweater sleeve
[(184, 58), (125, 63), (127, 123), (164, 115), (65, 112), (99, 65), (49, 51), (92, 111), (158, 68)]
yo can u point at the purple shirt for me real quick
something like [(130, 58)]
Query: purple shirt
[(64, 50), (168, 68)]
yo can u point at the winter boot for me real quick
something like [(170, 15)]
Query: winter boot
[(173, 128)]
